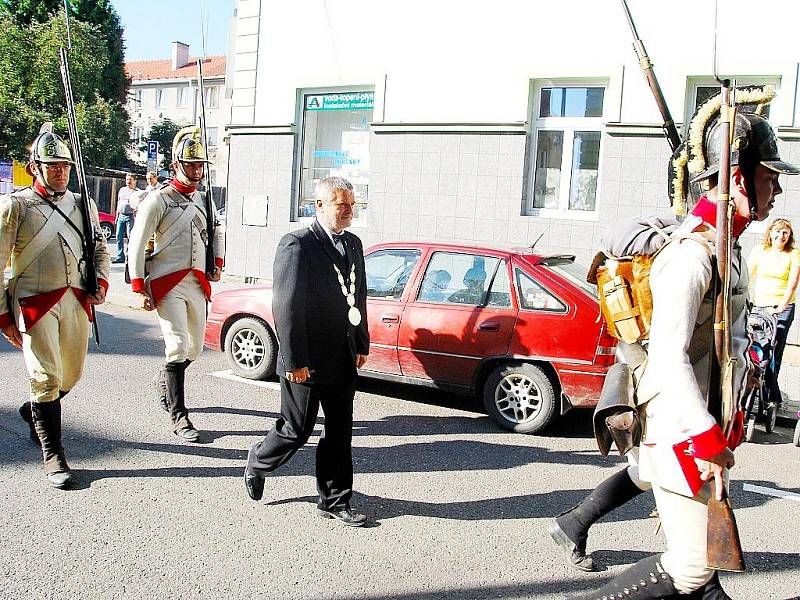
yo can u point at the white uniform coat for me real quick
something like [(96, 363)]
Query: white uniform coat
[(675, 384)]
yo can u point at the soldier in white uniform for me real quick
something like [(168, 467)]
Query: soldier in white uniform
[(174, 278), (45, 307), (685, 454)]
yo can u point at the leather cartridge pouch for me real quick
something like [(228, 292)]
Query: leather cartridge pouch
[(616, 417)]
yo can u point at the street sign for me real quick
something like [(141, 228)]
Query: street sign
[(152, 151), (152, 165)]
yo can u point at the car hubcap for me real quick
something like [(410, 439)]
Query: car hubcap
[(518, 398), (247, 349)]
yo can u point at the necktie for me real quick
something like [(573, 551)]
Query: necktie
[(338, 242)]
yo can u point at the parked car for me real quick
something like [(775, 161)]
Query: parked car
[(518, 328), (108, 224)]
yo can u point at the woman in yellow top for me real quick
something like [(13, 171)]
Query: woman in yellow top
[(774, 272)]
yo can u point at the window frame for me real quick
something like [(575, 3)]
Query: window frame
[(160, 98), (504, 264), (212, 93), (569, 126), (182, 96), (406, 287), (521, 298), (693, 83), (300, 119)]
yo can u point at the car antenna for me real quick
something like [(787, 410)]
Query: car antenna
[(537, 240)]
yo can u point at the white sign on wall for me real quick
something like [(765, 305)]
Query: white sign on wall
[(255, 210)]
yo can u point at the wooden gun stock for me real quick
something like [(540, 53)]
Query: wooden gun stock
[(723, 550)]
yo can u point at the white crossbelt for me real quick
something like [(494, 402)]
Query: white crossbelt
[(175, 229), (43, 237)]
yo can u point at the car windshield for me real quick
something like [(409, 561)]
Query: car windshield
[(572, 272)]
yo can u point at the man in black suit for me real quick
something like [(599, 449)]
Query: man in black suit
[(319, 304)]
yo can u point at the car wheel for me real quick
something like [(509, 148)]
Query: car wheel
[(770, 416), (107, 229), (797, 434), (520, 398), (250, 348), (750, 428)]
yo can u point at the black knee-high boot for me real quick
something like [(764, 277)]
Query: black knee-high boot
[(25, 413), (174, 377), (647, 579), (47, 422), (571, 529), (710, 591), (160, 385)]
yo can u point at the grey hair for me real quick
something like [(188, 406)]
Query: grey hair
[(326, 188), (153, 173)]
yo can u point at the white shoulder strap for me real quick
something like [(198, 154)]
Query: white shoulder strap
[(178, 225), (39, 242)]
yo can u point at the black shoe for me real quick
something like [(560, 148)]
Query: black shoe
[(118, 261), (345, 515), (60, 480), (254, 484), (188, 434), (575, 554)]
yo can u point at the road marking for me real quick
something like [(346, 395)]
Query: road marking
[(771, 492), (272, 385)]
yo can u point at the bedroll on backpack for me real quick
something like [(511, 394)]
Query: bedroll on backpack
[(623, 289)]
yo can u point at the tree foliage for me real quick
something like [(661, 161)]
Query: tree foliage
[(163, 131), (31, 91), (114, 85)]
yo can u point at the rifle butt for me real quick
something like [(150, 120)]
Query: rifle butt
[(723, 549)]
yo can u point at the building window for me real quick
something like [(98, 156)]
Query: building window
[(137, 98), (212, 133), (160, 98), (700, 89), (335, 142), (212, 96), (567, 122), (183, 97), (137, 133)]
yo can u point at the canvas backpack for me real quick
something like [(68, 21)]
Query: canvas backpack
[(622, 272)]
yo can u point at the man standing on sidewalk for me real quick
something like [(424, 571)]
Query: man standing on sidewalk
[(173, 280), (319, 302), (152, 181), (124, 215), (45, 309)]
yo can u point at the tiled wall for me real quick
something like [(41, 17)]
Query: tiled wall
[(259, 165), (460, 187)]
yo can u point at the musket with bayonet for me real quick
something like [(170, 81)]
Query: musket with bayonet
[(210, 206), (723, 549), (89, 237), (668, 125)]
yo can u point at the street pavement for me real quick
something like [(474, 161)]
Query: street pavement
[(459, 509)]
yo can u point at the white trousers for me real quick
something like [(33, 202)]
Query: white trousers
[(55, 349), (685, 523), (182, 316)]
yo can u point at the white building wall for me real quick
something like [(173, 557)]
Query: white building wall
[(450, 141), (145, 113)]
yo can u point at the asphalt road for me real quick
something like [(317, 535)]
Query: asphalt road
[(458, 508)]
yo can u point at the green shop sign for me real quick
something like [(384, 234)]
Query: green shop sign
[(348, 101)]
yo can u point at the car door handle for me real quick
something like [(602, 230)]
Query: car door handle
[(489, 326), (390, 318)]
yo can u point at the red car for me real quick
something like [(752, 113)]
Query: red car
[(108, 224), (519, 328)]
